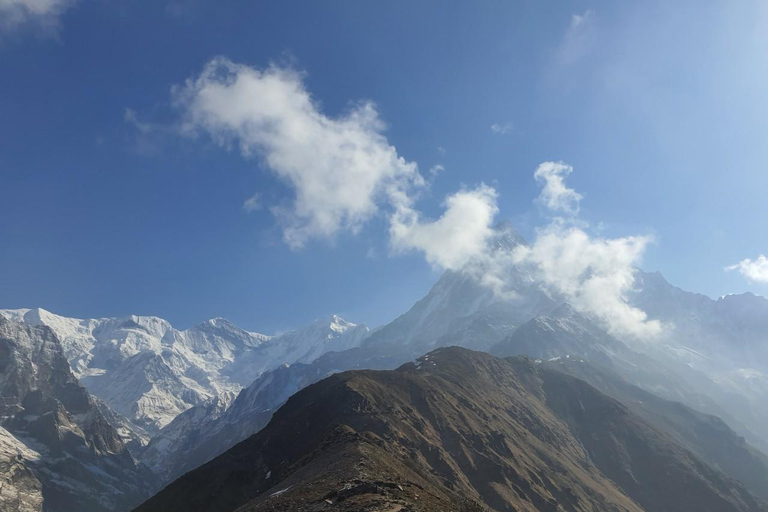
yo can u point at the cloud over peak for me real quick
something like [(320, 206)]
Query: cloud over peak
[(342, 171), (593, 274)]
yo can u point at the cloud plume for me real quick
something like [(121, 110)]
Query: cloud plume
[(342, 171)]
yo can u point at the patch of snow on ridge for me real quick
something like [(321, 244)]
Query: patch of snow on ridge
[(281, 491)]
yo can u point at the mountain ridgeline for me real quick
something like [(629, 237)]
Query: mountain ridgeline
[(457, 430)]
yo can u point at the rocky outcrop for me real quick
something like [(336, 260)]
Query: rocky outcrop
[(57, 451)]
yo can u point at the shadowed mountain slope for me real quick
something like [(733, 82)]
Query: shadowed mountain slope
[(708, 436), (458, 430)]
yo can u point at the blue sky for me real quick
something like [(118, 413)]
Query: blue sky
[(659, 107)]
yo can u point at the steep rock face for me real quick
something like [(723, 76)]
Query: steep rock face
[(561, 332), (20, 490), (455, 424), (173, 451), (146, 388), (67, 456), (458, 310)]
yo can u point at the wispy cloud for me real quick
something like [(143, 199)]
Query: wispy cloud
[(578, 40), (593, 273), (149, 138), (39, 14), (578, 20), (755, 271), (501, 129), (253, 203), (554, 194), (342, 170)]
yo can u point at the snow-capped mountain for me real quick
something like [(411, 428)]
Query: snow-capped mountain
[(458, 310), (149, 372), (54, 442), (176, 386)]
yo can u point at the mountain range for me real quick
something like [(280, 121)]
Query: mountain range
[(176, 400), (148, 372)]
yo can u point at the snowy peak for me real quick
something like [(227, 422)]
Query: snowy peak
[(329, 327), (322, 335), (507, 237), (303, 345), (339, 325)]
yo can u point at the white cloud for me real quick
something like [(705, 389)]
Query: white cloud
[(755, 271), (501, 129), (130, 117), (554, 194), (458, 236), (338, 167), (41, 13), (578, 20)]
